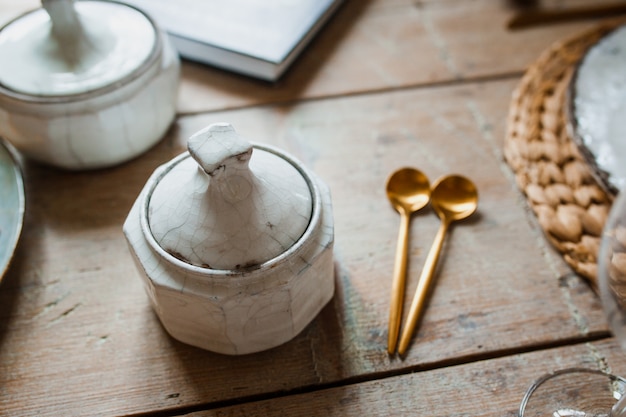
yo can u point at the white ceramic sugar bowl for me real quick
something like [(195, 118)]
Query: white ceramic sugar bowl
[(85, 85), (234, 243)]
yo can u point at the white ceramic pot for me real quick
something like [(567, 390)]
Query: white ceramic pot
[(234, 244), (85, 85)]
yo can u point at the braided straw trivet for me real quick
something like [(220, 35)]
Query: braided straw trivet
[(570, 204)]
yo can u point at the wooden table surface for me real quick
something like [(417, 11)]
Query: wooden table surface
[(386, 84)]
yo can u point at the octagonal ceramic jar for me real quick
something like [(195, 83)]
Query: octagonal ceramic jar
[(234, 242), (85, 85)]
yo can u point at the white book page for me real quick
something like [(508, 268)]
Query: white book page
[(266, 29)]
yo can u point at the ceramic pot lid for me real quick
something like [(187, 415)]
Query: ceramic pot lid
[(66, 48), (230, 205)]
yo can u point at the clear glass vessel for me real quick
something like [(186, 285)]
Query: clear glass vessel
[(588, 392)]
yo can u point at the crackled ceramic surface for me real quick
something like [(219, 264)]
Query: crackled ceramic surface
[(234, 243), (85, 85), (233, 212), (599, 106)]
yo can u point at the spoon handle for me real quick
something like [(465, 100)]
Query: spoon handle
[(423, 285), (399, 280)]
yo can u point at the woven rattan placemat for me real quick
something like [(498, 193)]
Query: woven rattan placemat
[(570, 204)]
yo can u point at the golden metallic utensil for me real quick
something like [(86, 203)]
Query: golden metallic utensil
[(408, 191), (540, 16), (453, 198)]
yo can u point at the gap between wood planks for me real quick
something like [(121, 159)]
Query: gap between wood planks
[(378, 376), (454, 82)]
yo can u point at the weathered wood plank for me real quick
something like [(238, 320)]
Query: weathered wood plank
[(77, 335), (491, 388)]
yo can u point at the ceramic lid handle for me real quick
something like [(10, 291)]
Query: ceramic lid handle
[(219, 149), (66, 26)]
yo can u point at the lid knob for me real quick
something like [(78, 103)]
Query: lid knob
[(74, 42), (66, 25), (217, 146)]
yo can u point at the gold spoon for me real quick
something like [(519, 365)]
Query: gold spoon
[(453, 198), (408, 191)]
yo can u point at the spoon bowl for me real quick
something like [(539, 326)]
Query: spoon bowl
[(408, 191), (453, 198)]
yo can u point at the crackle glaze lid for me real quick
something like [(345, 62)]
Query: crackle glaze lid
[(229, 205), (68, 48)]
